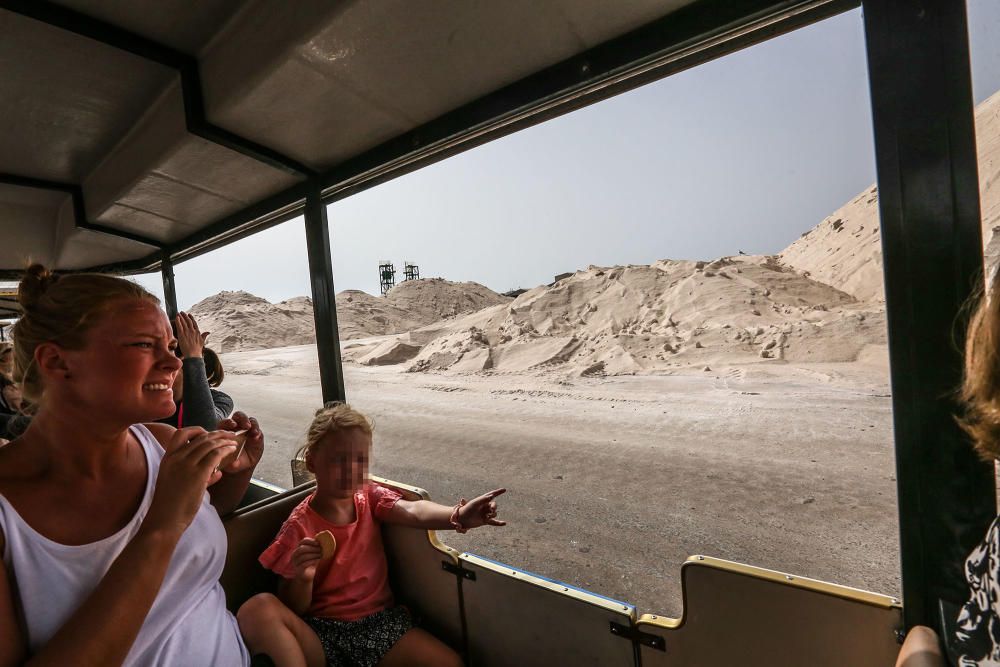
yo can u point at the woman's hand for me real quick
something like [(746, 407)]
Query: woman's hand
[(305, 558), (481, 511), (189, 338), (188, 467), (253, 448)]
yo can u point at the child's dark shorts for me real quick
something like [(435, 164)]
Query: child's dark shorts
[(360, 643)]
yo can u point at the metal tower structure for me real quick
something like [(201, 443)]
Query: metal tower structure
[(410, 271), (386, 276)]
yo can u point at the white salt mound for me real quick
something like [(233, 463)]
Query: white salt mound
[(242, 321), (671, 314), (845, 249)]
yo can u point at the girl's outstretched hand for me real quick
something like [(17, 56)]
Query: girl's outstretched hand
[(188, 468), (481, 511)]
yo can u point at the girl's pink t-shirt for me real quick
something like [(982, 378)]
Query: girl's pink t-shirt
[(355, 582)]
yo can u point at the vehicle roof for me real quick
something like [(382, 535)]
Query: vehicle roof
[(163, 128)]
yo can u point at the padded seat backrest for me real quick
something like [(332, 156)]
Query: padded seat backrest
[(250, 530), (736, 614)]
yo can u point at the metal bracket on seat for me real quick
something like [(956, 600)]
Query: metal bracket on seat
[(644, 638), (458, 570)]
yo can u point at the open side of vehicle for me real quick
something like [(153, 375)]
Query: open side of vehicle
[(143, 134)]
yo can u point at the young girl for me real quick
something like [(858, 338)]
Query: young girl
[(346, 598)]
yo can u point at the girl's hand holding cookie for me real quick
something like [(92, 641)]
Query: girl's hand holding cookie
[(306, 557), (481, 511)]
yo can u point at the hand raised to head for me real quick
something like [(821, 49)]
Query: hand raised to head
[(189, 338)]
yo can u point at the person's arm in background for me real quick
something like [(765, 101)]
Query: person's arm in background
[(223, 403), (199, 408)]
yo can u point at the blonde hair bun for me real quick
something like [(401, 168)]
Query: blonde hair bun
[(36, 281)]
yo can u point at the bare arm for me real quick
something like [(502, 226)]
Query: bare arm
[(228, 491), (103, 628), (921, 649), (480, 511), (297, 592), (12, 649)]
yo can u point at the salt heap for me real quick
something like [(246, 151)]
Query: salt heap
[(652, 318), (845, 249), (242, 321)]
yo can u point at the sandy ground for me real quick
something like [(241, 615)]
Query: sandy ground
[(612, 482)]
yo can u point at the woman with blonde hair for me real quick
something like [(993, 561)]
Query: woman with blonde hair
[(977, 637), (111, 549)]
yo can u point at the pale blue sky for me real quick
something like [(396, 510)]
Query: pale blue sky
[(743, 153)]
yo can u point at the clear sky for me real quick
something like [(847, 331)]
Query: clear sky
[(743, 153)]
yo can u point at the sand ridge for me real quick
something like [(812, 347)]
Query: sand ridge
[(242, 321), (845, 249)]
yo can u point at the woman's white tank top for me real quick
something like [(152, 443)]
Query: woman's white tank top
[(188, 623)]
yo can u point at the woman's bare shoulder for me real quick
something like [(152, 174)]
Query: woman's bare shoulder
[(162, 432)]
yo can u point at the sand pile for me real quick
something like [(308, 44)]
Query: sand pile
[(845, 249), (241, 321), (633, 319), (409, 305)]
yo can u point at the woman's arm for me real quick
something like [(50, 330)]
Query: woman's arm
[(229, 491), (223, 403), (12, 648), (103, 628), (199, 408), (480, 511)]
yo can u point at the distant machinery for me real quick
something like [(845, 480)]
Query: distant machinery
[(410, 271), (386, 276)]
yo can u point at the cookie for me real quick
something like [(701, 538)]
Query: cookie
[(328, 543)]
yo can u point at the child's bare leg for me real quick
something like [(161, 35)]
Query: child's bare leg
[(418, 648), (269, 627)]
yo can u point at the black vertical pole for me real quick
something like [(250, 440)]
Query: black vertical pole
[(323, 296), (169, 289), (922, 108)]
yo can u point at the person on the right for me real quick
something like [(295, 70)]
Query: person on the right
[(342, 588), (977, 637)]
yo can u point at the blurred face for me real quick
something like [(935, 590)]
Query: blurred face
[(12, 396), (7, 361), (127, 367), (340, 462)]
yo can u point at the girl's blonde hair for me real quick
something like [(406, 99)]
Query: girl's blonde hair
[(331, 418), (61, 309)]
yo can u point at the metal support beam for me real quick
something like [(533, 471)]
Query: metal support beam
[(79, 209), (922, 107), (169, 287), (331, 370), (185, 65)]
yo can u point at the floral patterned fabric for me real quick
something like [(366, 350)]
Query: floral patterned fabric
[(978, 634)]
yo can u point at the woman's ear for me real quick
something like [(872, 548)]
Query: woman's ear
[(51, 361), (309, 462)]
